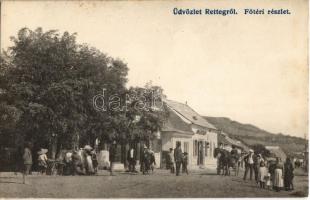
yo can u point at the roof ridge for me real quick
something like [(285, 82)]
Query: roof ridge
[(186, 106), (180, 114), (196, 118)]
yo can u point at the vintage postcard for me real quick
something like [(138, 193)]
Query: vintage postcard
[(154, 99)]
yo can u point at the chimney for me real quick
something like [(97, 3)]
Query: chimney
[(186, 102)]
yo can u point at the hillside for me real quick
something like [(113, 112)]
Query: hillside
[(250, 135)]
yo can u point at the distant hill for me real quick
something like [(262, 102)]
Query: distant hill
[(250, 135)]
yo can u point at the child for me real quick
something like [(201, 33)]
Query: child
[(267, 181), (185, 162), (262, 172)]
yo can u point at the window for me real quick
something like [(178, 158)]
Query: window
[(186, 147)]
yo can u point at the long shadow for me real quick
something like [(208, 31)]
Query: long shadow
[(10, 177), (206, 174), (238, 180), (12, 182), (103, 175)]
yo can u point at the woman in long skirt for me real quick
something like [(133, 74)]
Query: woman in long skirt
[(278, 176)]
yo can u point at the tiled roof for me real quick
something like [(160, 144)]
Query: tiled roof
[(174, 123), (188, 113)]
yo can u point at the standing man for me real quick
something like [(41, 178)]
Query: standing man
[(171, 160), (145, 160), (27, 157), (131, 157), (178, 157), (112, 154), (249, 164)]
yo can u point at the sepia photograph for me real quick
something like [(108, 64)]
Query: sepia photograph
[(154, 99)]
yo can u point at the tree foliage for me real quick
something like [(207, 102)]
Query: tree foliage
[(47, 82)]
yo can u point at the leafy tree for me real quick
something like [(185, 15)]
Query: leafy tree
[(47, 85), (51, 80)]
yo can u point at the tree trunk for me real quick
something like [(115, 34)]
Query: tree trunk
[(54, 148)]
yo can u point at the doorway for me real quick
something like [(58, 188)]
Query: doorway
[(200, 158)]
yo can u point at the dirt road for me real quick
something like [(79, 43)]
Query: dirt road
[(160, 184)]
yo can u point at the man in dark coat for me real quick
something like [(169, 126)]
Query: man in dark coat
[(131, 158), (112, 154), (146, 160), (178, 157), (288, 175), (249, 164)]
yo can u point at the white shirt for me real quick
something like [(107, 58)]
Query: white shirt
[(251, 159), (131, 153), (43, 157)]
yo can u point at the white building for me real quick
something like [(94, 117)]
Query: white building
[(197, 136)]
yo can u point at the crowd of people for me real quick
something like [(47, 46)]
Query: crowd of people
[(147, 159), (177, 159), (84, 161), (269, 174), (76, 162)]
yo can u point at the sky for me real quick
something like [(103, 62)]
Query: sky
[(250, 68)]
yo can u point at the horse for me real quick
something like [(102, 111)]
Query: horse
[(221, 155), (226, 161)]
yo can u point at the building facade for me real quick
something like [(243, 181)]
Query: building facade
[(197, 136), (183, 125)]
